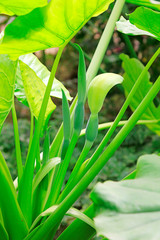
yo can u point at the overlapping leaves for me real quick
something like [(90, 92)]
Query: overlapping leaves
[(142, 21)]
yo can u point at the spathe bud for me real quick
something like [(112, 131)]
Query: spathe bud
[(98, 89)]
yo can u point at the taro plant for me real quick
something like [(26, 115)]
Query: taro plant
[(33, 206)]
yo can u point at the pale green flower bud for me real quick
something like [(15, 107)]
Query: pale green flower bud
[(98, 89)]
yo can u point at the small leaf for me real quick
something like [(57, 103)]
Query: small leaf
[(22, 7), (43, 73), (147, 20), (126, 27), (71, 212), (34, 91), (45, 169), (51, 26), (133, 68), (98, 89), (130, 209), (7, 81)]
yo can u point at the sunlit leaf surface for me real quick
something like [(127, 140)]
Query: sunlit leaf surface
[(7, 80), (20, 7), (43, 73), (50, 26), (34, 91)]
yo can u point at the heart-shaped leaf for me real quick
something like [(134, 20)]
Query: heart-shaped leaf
[(146, 3), (20, 7), (51, 26), (7, 81), (43, 73), (133, 68), (130, 209)]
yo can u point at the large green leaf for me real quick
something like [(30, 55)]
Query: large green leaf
[(133, 68), (20, 7), (43, 73), (7, 80), (147, 3), (34, 91), (130, 209), (14, 221), (51, 26)]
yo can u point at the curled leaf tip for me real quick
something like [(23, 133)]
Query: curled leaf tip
[(98, 89)]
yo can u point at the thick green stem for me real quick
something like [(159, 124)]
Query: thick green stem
[(25, 189), (107, 125), (17, 144), (104, 41), (129, 45), (58, 182), (63, 207), (73, 175)]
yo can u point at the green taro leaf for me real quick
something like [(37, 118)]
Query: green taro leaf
[(20, 7), (34, 91), (147, 20), (133, 68), (7, 81), (130, 209), (51, 26), (146, 3), (43, 73), (142, 21), (126, 27)]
